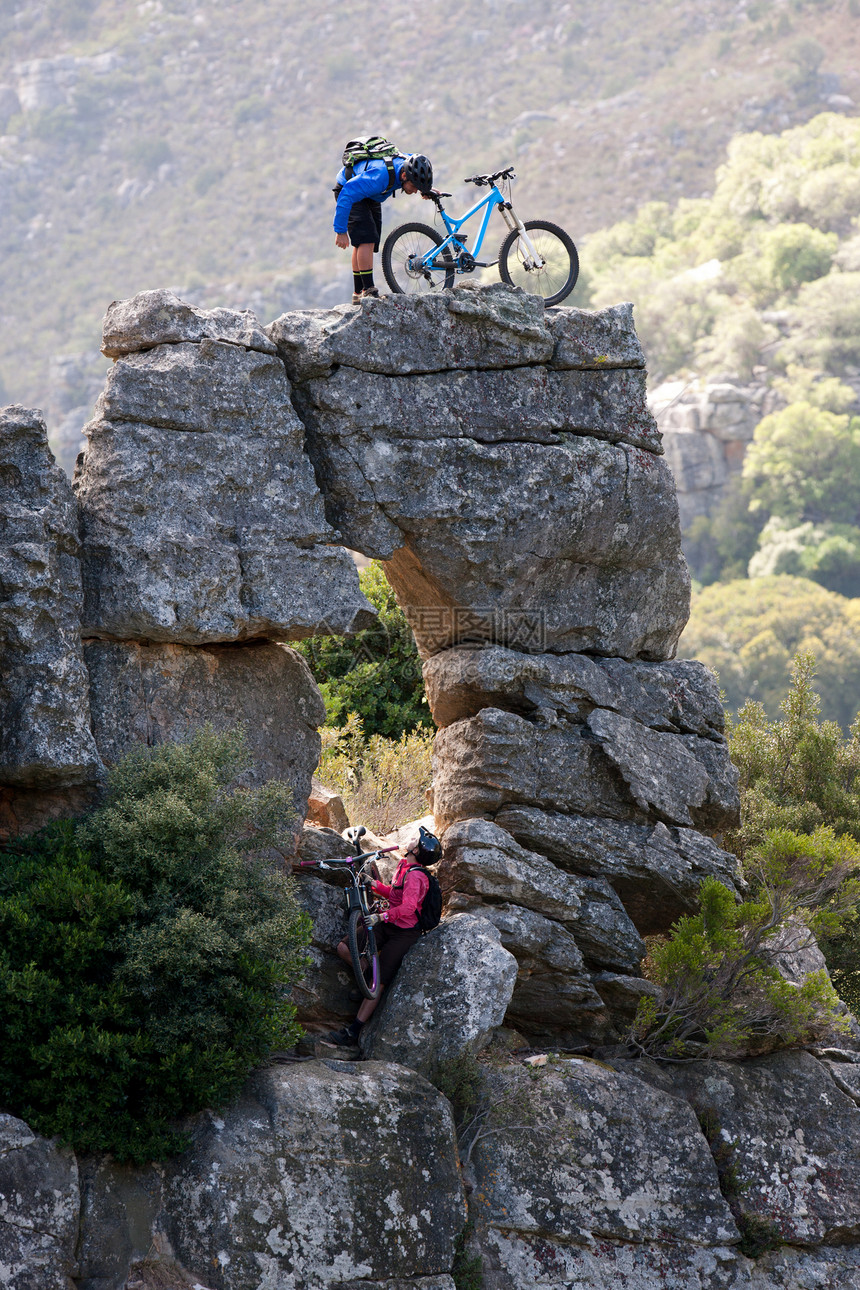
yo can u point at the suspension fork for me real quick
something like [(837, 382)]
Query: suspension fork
[(514, 223)]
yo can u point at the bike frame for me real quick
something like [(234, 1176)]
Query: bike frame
[(494, 198)]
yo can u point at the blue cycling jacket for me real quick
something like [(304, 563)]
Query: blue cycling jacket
[(371, 181)]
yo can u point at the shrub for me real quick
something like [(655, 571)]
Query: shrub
[(799, 848), (377, 673), (720, 988), (382, 781), (146, 954)]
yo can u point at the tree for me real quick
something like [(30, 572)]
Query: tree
[(748, 632), (804, 464), (375, 674), (146, 954)]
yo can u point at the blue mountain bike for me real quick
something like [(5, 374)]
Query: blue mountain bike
[(537, 256)]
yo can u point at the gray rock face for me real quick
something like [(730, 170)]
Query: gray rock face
[(160, 318), (45, 739), (482, 860), (488, 328), (596, 1160), (201, 518), (451, 990), (554, 999), (319, 1176), (514, 1262), (679, 697), (39, 1206), (795, 1138), (322, 998), (585, 558), (594, 340), (706, 429), (609, 767), (154, 694), (422, 413), (518, 404), (655, 870), (686, 781)]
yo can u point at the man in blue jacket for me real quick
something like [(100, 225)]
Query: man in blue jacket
[(358, 214)]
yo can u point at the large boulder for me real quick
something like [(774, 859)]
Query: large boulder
[(482, 861), (320, 1175), (424, 418), (160, 318), (586, 557), (608, 766), (488, 328), (39, 1208), (579, 1154), (656, 870), (322, 996), (152, 694), (794, 1140), (45, 738), (200, 515), (680, 697), (554, 1000), (452, 989)]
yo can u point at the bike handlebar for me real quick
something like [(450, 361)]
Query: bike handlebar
[(365, 855), (481, 180)]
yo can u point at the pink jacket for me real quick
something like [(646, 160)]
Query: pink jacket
[(404, 896)]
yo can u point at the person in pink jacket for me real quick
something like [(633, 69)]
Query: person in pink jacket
[(397, 928)]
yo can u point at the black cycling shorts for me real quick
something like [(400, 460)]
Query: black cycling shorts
[(393, 943), (365, 223)]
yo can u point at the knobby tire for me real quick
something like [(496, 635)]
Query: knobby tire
[(399, 279), (369, 979), (557, 279)]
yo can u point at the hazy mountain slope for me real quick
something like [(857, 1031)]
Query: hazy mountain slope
[(168, 144)]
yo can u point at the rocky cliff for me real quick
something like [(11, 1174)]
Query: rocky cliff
[(502, 461)]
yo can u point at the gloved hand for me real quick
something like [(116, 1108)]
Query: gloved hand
[(371, 920)]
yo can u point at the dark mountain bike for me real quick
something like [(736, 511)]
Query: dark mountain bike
[(537, 255), (360, 904)]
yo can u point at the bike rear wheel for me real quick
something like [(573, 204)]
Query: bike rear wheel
[(557, 278), (401, 248), (367, 974)]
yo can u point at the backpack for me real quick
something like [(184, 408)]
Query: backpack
[(430, 913), (372, 148)]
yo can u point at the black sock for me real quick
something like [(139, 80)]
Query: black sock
[(357, 284), (354, 1028), (366, 279)]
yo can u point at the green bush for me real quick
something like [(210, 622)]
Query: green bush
[(799, 848), (146, 954), (827, 553), (375, 674), (720, 987), (802, 774)]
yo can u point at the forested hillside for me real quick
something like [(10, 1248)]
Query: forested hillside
[(166, 143)]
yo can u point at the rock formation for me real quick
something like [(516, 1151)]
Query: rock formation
[(706, 428), (502, 461)]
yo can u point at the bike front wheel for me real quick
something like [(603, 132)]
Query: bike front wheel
[(403, 254), (555, 280), (367, 972)]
